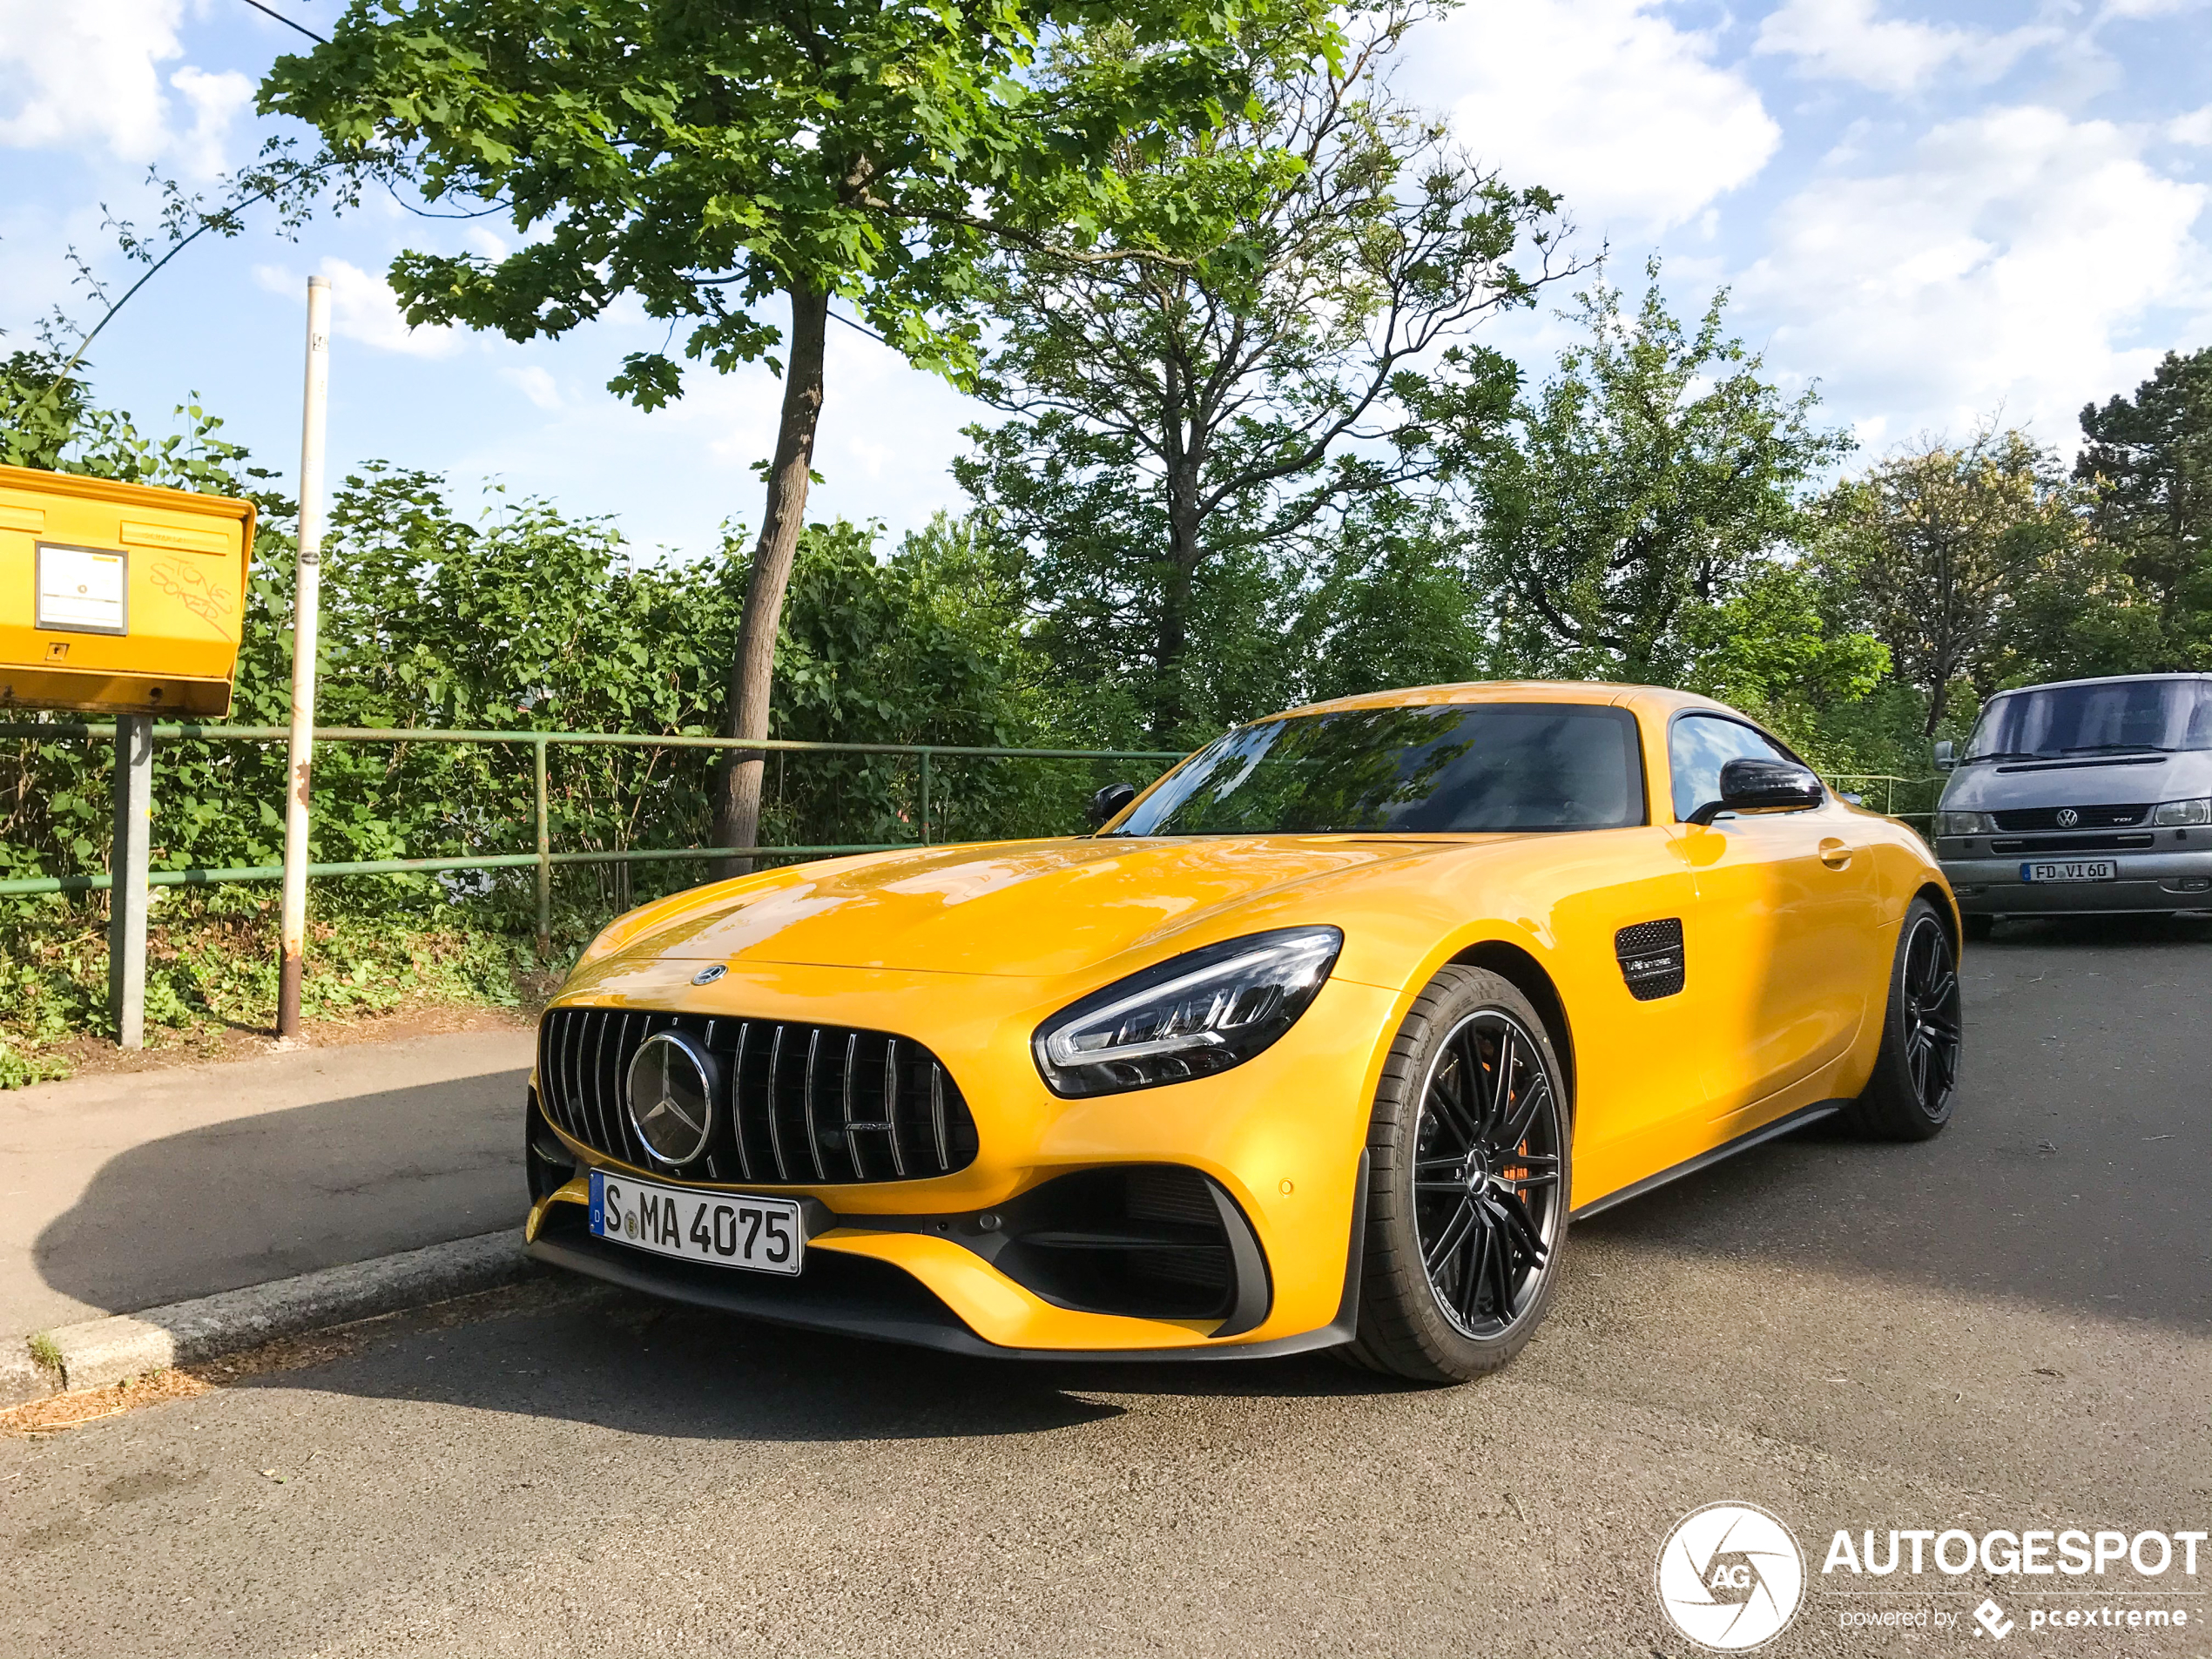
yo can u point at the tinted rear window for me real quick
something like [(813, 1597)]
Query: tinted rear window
[(1443, 768)]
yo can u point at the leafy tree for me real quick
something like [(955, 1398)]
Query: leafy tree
[(1937, 541), (1648, 478), (1395, 599), (717, 160), (1770, 648), (2149, 458), (1179, 429)]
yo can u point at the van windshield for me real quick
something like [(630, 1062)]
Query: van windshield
[(2112, 716)]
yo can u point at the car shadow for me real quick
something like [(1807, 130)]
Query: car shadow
[(2072, 1174), (572, 1351), (273, 1193)]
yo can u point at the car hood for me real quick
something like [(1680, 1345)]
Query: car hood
[(1025, 909)]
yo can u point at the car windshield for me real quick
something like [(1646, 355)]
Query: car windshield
[(1438, 769), (2108, 717)]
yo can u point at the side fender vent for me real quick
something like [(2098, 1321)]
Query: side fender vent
[(1651, 958)]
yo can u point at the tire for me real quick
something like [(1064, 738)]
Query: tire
[(1459, 1269), (1979, 928), (1915, 1073)]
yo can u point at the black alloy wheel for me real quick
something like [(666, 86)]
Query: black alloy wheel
[(1486, 1174), (1931, 1032), (1915, 1073), (1468, 1184)]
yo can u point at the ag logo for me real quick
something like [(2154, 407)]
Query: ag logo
[(1731, 1576)]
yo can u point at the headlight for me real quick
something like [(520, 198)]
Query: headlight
[(1963, 824), (2184, 812), (1190, 1016)]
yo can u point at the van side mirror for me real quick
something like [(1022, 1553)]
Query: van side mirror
[(1748, 786), (1107, 802), (1943, 756)]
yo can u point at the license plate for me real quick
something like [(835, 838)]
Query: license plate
[(722, 1229), (2072, 870)]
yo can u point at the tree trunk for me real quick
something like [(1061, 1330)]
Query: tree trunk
[(737, 816)]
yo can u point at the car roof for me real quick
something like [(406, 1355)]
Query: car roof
[(2093, 679), (1657, 700)]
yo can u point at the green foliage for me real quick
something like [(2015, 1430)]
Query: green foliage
[(526, 620), (1937, 543), (1650, 477), (706, 158), (2148, 459), (1184, 437)]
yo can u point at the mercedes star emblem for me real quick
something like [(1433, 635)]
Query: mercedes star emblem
[(708, 975), (672, 1097)]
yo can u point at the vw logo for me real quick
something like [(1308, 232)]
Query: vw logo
[(2068, 817), (672, 1097)]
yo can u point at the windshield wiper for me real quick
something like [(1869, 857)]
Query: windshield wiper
[(2001, 754), (2119, 749)]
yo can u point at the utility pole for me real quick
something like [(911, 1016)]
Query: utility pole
[(305, 604)]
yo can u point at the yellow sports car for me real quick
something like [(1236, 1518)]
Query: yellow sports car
[(1320, 1041)]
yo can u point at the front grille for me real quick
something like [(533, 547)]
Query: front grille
[(805, 1104), (2073, 843), (2088, 818)]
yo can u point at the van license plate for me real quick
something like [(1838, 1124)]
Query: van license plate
[(723, 1229), (2072, 870)]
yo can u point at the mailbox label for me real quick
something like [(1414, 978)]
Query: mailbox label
[(81, 590)]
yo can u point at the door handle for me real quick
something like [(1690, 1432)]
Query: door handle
[(1834, 854)]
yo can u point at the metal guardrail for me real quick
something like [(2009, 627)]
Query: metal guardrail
[(1890, 780), (543, 859)]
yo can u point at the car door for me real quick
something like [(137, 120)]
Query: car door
[(1784, 932)]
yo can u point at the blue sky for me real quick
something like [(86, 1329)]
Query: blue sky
[(1939, 213)]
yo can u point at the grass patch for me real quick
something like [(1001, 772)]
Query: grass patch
[(211, 972)]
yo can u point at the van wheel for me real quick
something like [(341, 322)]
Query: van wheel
[(1908, 1096)]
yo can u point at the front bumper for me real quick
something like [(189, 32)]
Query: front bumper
[(1280, 1140), (2155, 881)]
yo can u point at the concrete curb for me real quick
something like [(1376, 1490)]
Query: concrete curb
[(100, 1352)]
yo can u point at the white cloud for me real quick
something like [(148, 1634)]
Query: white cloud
[(2192, 128), (2003, 263), (535, 384), (364, 308), (1848, 40), (86, 74), (1606, 101)]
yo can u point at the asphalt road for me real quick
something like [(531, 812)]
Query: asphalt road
[(2011, 1328)]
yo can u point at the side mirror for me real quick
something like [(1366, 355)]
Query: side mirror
[(1750, 785), (1943, 756), (1107, 802)]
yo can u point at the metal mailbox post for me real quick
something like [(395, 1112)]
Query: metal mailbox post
[(123, 599)]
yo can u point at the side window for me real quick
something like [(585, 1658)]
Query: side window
[(1698, 746)]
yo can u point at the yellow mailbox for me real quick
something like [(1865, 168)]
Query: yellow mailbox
[(119, 597)]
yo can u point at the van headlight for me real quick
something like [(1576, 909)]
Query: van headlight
[(1189, 1017), (2184, 812), (1963, 824)]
